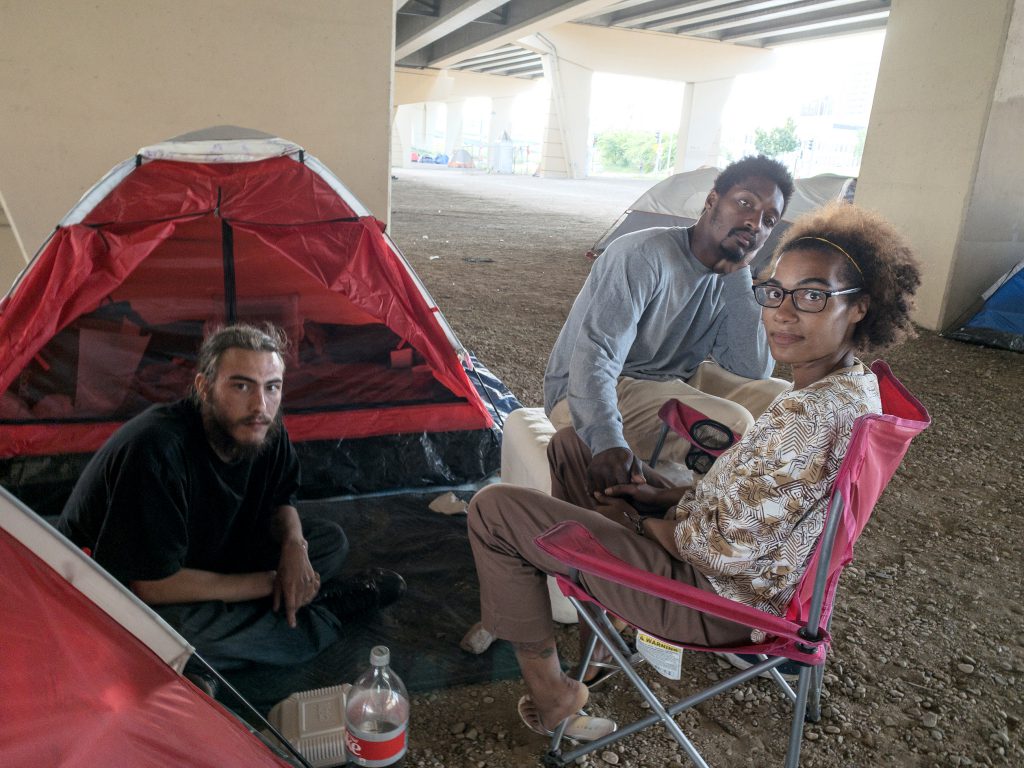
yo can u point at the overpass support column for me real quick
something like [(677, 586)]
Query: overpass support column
[(942, 157), (453, 127), (564, 153), (402, 120), (700, 125)]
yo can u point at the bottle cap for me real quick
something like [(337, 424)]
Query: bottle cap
[(380, 656)]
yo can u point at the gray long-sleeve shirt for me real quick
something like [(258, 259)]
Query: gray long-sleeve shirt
[(650, 310)]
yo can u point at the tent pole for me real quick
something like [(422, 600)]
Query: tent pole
[(255, 712), (228, 251)]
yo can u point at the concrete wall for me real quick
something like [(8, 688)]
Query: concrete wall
[(86, 84), (923, 159)]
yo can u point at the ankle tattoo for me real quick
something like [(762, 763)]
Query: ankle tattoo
[(543, 649)]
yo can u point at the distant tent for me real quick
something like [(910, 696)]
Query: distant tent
[(999, 322), (461, 159), (678, 201), (222, 225), (91, 675)]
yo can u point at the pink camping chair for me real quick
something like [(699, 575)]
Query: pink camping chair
[(877, 446)]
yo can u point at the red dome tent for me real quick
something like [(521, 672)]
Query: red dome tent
[(91, 675), (217, 226)]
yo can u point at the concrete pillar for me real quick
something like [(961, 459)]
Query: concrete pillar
[(12, 256), (416, 114), (433, 119), (942, 158), (564, 152), (402, 135), (453, 127), (86, 85), (501, 118), (499, 125), (700, 125)]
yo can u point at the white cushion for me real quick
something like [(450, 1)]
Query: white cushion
[(524, 461), (524, 446)]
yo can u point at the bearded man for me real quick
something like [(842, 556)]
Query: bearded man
[(192, 506)]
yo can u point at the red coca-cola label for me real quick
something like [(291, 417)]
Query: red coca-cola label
[(375, 749)]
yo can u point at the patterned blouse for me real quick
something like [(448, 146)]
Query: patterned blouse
[(751, 523)]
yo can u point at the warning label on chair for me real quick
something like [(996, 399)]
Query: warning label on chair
[(664, 657)]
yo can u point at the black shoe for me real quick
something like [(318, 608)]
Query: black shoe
[(789, 670), (363, 592)]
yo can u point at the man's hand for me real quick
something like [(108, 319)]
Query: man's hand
[(614, 466), (296, 583)]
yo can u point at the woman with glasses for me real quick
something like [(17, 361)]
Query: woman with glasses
[(840, 284)]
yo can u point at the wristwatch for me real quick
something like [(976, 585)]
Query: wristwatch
[(637, 520)]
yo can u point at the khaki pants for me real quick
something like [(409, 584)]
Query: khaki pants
[(717, 393), (514, 604)]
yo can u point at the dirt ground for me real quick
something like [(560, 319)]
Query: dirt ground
[(928, 661)]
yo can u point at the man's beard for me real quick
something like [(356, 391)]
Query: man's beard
[(733, 256), (224, 444), (729, 255)]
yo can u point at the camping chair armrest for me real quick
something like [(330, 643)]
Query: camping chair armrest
[(572, 544)]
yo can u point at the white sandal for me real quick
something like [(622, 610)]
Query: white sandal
[(581, 727)]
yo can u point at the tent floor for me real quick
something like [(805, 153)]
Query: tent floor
[(423, 630)]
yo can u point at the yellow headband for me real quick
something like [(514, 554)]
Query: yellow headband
[(829, 242)]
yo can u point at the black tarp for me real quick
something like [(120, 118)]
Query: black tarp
[(423, 630)]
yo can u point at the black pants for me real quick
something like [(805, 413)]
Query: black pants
[(232, 635)]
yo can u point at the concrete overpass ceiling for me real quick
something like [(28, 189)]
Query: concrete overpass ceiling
[(481, 35), (510, 60), (749, 22)]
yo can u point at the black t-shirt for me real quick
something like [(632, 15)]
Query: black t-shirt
[(156, 498)]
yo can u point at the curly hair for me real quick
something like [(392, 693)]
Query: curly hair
[(886, 268), (752, 166)]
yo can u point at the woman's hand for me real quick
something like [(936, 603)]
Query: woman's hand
[(643, 497), (615, 509)]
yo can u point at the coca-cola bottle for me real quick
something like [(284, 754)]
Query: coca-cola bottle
[(377, 714)]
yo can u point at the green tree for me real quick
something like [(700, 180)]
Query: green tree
[(636, 150), (777, 141)]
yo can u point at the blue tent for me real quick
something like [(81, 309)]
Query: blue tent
[(1000, 321)]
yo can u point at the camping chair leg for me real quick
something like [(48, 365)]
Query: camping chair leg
[(814, 699), (613, 633), (602, 625), (796, 733), (658, 446)]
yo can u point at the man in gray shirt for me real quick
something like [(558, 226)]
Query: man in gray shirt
[(658, 304)]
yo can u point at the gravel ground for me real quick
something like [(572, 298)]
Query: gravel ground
[(927, 663)]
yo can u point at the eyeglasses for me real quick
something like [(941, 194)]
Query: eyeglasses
[(804, 299)]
